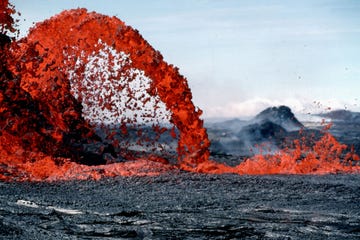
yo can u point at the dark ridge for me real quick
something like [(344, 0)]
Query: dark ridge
[(276, 127), (342, 115), (282, 116)]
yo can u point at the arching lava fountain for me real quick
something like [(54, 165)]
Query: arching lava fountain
[(77, 89)]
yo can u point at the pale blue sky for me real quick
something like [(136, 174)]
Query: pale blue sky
[(241, 56)]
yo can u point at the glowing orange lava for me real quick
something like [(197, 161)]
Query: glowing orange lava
[(50, 80), (38, 64), (324, 156)]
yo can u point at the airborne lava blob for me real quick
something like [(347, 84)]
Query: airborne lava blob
[(81, 85)]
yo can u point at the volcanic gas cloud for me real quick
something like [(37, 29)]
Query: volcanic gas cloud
[(77, 91)]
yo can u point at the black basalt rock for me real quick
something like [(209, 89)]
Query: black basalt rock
[(282, 116), (262, 131)]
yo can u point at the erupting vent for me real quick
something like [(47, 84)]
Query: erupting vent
[(85, 96)]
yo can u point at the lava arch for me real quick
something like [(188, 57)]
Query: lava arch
[(42, 120), (44, 57)]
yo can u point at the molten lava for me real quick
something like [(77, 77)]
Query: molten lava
[(324, 156), (83, 79)]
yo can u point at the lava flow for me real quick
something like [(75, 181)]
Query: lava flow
[(81, 85), (325, 156)]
